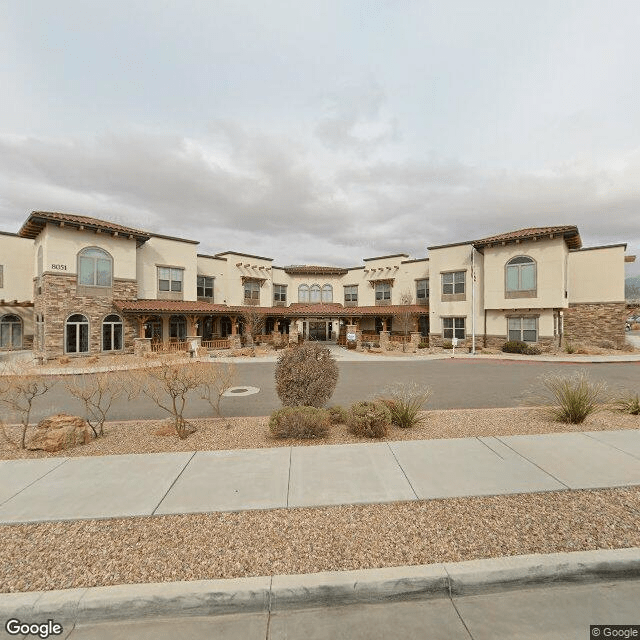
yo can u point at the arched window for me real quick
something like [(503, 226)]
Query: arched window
[(327, 293), (76, 331), (10, 332), (521, 275), (112, 333), (177, 328), (314, 295), (303, 293), (95, 267)]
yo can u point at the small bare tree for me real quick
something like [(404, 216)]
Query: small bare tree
[(215, 380), (97, 392), (253, 322), (404, 316), (169, 385), (19, 388)]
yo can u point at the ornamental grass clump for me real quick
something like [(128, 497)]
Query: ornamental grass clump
[(303, 423), (629, 403), (306, 375), (369, 419), (571, 399), (406, 403)]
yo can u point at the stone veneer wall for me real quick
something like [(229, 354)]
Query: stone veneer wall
[(594, 323), (58, 300)]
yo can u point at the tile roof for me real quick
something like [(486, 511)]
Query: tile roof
[(313, 270), (569, 232), (38, 219)]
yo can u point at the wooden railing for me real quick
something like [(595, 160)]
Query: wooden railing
[(263, 338), (169, 347), (216, 344), (400, 338)]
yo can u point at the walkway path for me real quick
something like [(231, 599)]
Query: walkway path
[(309, 476)]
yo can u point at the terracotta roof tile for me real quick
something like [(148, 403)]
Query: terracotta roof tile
[(569, 232), (314, 270)]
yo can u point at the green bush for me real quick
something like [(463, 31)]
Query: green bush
[(629, 403), (299, 422), (369, 419), (338, 415), (306, 375), (405, 402), (423, 345), (447, 344), (516, 346), (572, 398)]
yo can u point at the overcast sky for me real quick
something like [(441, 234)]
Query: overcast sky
[(324, 132)]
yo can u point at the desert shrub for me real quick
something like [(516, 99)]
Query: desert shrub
[(571, 398), (569, 348), (306, 375), (299, 422), (369, 419), (532, 350), (423, 345), (447, 344), (405, 402), (629, 403), (338, 415), (515, 346)]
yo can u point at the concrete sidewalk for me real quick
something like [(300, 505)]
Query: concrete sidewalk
[(308, 476), (537, 596)]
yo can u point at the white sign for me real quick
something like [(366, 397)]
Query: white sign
[(454, 342), (351, 337)]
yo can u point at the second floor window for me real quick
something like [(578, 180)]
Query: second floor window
[(94, 267), (170, 279), (327, 293), (521, 274), (205, 287), (383, 291), (453, 282), (279, 293), (303, 293), (422, 290), (315, 293), (252, 291), (351, 293)]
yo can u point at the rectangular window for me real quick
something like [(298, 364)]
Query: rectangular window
[(422, 291), (351, 293), (279, 293), (252, 290), (383, 292), (453, 282), (523, 329), (453, 328), (170, 279), (205, 287)]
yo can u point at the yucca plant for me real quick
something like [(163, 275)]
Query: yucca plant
[(406, 402), (572, 398)]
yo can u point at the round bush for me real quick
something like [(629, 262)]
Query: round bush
[(338, 415), (369, 419), (306, 375), (299, 422)]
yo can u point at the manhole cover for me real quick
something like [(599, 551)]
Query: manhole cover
[(239, 392)]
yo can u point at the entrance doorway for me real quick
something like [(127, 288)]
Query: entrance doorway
[(318, 330)]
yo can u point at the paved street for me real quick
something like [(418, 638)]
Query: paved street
[(562, 612), (206, 481), (456, 383)]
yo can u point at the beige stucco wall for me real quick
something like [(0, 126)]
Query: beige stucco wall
[(216, 268), (16, 257), (497, 322), (596, 275), (550, 257), (62, 244), (166, 253), (238, 266)]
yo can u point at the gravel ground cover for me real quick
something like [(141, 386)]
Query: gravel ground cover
[(226, 545), (251, 432)]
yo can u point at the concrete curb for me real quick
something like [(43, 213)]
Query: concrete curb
[(287, 592)]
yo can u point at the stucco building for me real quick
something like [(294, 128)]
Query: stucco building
[(74, 285)]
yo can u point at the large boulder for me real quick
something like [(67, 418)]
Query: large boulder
[(60, 432)]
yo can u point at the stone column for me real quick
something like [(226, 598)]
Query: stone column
[(384, 340), (141, 346), (293, 331), (416, 339), (165, 330)]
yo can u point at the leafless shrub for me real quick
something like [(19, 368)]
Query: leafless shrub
[(369, 419), (19, 388), (306, 375), (253, 321), (403, 316), (215, 379), (299, 422)]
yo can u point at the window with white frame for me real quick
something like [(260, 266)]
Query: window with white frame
[(314, 293), (422, 291), (280, 293), (95, 267), (303, 293), (252, 291), (327, 293), (76, 334), (523, 329), (112, 333), (453, 328), (10, 332), (453, 282), (520, 274), (351, 293), (383, 292), (170, 279), (205, 287)]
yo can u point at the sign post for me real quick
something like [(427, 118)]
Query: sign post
[(454, 344)]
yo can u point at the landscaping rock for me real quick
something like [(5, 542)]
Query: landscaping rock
[(60, 432)]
